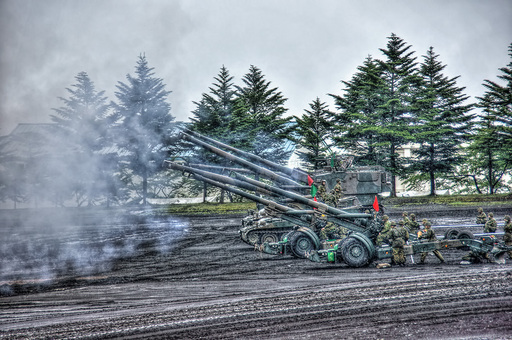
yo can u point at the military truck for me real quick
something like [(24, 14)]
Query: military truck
[(361, 186)]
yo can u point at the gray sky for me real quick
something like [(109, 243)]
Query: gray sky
[(303, 47)]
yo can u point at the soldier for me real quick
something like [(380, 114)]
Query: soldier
[(398, 237), (322, 191), (336, 193), (491, 225), (332, 231), (482, 217), (430, 236), (413, 226), (383, 235), (508, 234), (405, 218)]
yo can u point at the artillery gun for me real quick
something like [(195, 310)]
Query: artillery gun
[(360, 186), (291, 219)]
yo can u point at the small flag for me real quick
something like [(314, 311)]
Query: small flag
[(313, 190), (376, 204), (332, 161), (310, 180)]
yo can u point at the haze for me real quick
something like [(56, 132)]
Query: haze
[(305, 48)]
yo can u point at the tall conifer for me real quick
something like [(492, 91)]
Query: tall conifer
[(145, 122), (441, 123)]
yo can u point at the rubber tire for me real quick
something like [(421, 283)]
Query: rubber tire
[(269, 238), (301, 244), (465, 235), (355, 253), (451, 234)]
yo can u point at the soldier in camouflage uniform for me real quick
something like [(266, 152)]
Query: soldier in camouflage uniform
[(491, 225), (430, 236), (383, 235), (398, 237), (413, 226), (336, 193), (405, 218), (322, 191), (482, 217), (332, 231), (508, 234)]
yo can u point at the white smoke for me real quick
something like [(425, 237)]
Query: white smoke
[(42, 250)]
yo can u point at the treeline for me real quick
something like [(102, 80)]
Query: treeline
[(100, 151)]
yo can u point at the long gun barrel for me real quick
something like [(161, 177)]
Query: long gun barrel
[(335, 215), (220, 181), (301, 199), (293, 173)]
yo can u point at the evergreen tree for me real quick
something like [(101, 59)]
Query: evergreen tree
[(313, 131), (493, 139), (400, 81), (83, 122), (441, 123), (145, 125), (357, 119), (258, 124), (212, 116), (214, 111)]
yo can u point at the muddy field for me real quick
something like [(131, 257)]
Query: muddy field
[(112, 276)]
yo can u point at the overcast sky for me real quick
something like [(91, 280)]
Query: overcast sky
[(303, 47)]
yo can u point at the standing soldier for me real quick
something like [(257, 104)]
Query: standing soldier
[(405, 218), (398, 237), (429, 235), (491, 225), (322, 191), (508, 234), (336, 193), (413, 226), (482, 217), (383, 235)]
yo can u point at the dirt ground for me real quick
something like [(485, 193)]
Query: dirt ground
[(192, 277)]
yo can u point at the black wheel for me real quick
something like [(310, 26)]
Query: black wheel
[(451, 234), (355, 253), (465, 235), (301, 244), (269, 238), (253, 238)]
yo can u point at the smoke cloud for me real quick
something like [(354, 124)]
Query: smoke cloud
[(48, 244)]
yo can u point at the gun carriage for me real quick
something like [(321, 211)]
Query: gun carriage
[(289, 219)]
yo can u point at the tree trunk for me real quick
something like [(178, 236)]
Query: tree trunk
[(144, 186)]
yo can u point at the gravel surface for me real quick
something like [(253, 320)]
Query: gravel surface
[(192, 278)]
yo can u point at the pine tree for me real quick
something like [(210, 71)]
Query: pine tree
[(441, 123), (145, 122), (496, 129), (492, 141), (215, 108), (400, 81), (258, 121), (83, 122), (357, 118), (313, 131), (212, 116)]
